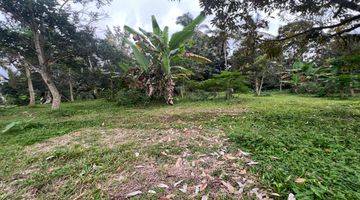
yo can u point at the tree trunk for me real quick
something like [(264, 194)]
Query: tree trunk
[(257, 86), (71, 87), (56, 97), (229, 93), (225, 54), (261, 85), (352, 91), (30, 87), (170, 86)]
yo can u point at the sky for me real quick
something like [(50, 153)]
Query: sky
[(137, 13)]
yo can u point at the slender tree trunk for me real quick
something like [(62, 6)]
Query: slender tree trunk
[(56, 97), (30, 87), (225, 53), (71, 87), (229, 93), (342, 92), (352, 91), (112, 88), (170, 86), (90, 64), (261, 85), (257, 86)]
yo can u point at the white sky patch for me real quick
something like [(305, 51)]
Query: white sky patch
[(137, 13)]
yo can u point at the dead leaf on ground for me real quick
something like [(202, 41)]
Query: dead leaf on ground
[(178, 163), (230, 157), (228, 186), (184, 188), (132, 194), (275, 194), (202, 186), (252, 163), (300, 180), (162, 185), (243, 172), (178, 183)]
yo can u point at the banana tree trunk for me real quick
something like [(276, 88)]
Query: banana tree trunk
[(30, 87), (149, 88), (170, 87)]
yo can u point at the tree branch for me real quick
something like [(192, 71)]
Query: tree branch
[(65, 2), (346, 30), (347, 4), (346, 21)]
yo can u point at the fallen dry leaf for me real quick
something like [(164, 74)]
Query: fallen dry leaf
[(229, 157), (184, 188), (252, 163), (275, 194), (178, 163), (162, 185), (203, 186), (243, 153), (151, 192), (178, 183), (132, 194), (300, 180), (242, 172), (274, 158), (228, 186)]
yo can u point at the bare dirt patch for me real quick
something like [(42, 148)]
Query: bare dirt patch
[(205, 168), (170, 164)]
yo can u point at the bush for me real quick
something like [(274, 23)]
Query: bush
[(200, 95), (310, 87), (132, 97)]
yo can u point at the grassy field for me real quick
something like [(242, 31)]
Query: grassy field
[(96, 149)]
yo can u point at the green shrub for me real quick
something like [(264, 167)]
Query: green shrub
[(200, 95), (310, 87), (132, 97)]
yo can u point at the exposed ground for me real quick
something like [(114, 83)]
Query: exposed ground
[(247, 148)]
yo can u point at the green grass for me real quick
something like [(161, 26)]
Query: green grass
[(290, 136), (301, 137)]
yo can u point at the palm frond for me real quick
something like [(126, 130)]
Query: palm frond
[(197, 58)]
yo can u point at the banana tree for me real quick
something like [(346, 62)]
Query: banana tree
[(155, 52)]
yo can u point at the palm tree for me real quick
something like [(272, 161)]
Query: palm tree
[(155, 52)]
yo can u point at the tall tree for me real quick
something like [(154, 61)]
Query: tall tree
[(335, 16)]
